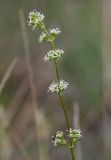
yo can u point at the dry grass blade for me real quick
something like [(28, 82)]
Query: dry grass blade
[(29, 66), (31, 83), (8, 73), (20, 145)]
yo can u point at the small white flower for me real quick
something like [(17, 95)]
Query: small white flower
[(59, 134), (53, 55), (49, 36), (63, 85), (42, 37), (58, 139), (36, 19), (53, 87), (55, 31), (75, 134), (58, 87)]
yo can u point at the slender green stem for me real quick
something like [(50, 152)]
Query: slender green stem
[(60, 96), (72, 154), (63, 106), (53, 45), (65, 112), (57, 71), (62, 102)]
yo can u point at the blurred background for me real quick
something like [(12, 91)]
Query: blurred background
[(29, 115)]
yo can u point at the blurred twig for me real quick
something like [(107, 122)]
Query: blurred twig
[(5, 143), (29, 66), (31, 82), (14, 135), (76, 124), (8, 73), (17, 99), (106, 55), (19, 144)]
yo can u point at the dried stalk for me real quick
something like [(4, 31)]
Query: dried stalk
[(32, 85), (19, 144), (8, 73), (76, 124)]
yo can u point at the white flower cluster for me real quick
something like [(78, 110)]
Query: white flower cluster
[(36, 19), (43, 37), (53, 55), (55, 31), (58, 87), (49, 36), (75, 135), (58, 139)]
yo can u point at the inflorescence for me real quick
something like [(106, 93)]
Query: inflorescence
[(59, 138), (75, 135), (49, 36), (53, 55), (36, 21), (58, 87)]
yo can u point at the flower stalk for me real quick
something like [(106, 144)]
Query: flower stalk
[(62, 103), (36, 21)]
